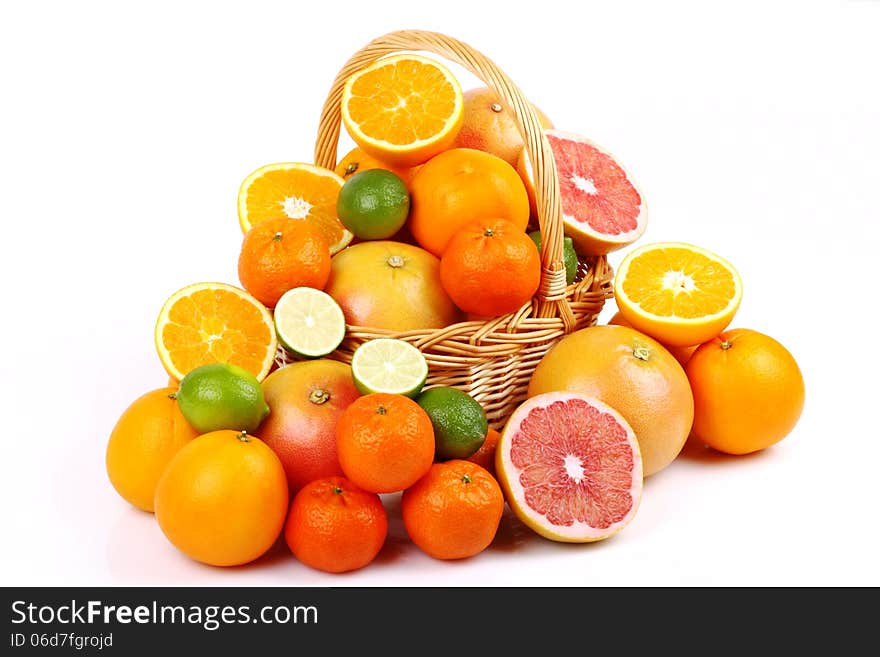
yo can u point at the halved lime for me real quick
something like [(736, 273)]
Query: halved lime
[(309, 322), (389, 365)]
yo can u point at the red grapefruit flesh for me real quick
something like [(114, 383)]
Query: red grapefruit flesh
[(602, 208), (570, 467)]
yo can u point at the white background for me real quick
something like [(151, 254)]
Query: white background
[(753, 130)]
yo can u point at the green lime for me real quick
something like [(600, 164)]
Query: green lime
[(569, 255), (389, 365), (460, 424), (309, 322), (373, 204), (222, 396)]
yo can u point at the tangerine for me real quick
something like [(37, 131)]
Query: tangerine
[(473, 259), (278, 255), (335, 526), (385, 442), (453, 512), (460, 185)]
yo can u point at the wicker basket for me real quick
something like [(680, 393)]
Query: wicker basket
[(491, 360)]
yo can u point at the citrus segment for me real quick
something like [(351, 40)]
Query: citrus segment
[(389, 365), (602, 208), (570, 467), (678, 293), (403, 109), (309, 322), (214, 323), (295, 190)]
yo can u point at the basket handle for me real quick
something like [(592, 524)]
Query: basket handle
[(550, 299)]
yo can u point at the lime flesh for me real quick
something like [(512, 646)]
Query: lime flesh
[(309, 322), (389, 365)]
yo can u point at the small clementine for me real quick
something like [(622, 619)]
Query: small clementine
[(385, 443), (490, 267), (453, 512), (335, 526), (280, 254)]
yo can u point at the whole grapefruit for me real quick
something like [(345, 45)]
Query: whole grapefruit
[(632, 373), (490, 126), (390, 285), (306, 399)]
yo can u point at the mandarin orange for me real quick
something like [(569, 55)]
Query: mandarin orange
[(453, 512), (335, 526), (490, 267), (278, 255), (385, 442)]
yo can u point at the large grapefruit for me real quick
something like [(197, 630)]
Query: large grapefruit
[(570, 467), (390, 285), (630, 372), (306, 399), (602, 208)]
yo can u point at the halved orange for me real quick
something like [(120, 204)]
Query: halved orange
[(677, 293), (214, 323), (403, 109), (296, 190)]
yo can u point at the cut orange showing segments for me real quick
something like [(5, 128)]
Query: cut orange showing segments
[(677, 293), (403, 109), (295, 190), (215, 323)]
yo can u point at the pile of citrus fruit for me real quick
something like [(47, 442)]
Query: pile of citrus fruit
[(430, 220)]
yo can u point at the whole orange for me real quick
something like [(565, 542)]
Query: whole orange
[(147, 434), (485, 456), (390, 285), (748, 391), (490, 267), (223, 498), (280, 254), (335, 526), (460, 185), (306, 399), (489, 125), (357, 160), (632, 373), (453, 511), (385, 442), (682, 354)]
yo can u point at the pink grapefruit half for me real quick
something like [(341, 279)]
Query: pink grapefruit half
[(570, 467), (602, 207)]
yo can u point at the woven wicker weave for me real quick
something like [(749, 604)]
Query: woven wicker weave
[(491, 360)]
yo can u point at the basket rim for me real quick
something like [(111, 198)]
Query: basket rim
[(552, 296)]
